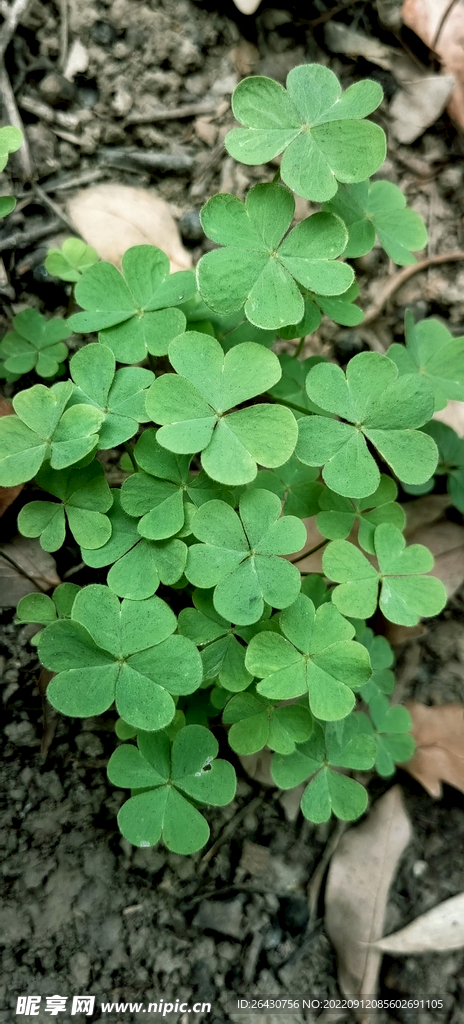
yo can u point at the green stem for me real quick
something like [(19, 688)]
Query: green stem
[(130, 453), (299, 348), (291, 405), (321, 544), (276, 175), (151, 362)]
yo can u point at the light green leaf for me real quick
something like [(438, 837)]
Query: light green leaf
[(132, 309), (380, 407), (118, 394), (405, 593), (432, 352), (262, 268), (191, 405), (238, 555), (34, 344), (84, 497), (379, 208), (134, 658), (339, 514), (70, 262), (318, 130), (11, 139)]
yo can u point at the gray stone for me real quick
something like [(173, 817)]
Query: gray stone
[(225, 917), (14, 926), (80, 968)]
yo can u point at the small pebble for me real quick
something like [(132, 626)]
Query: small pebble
[(56, 90), (190, 226), (103, 33)]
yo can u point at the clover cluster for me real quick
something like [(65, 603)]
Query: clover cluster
[(207, 617)]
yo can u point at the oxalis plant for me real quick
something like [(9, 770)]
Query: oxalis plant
[(198, 628)]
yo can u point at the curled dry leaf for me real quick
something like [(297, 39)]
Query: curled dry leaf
[(112, 218), (247, 6), (358, 882), (440, 25), (439, 929), (25, 569), (7, 494), (439, 735)]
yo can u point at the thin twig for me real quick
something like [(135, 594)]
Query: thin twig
[(21, 239), (12, 17), (229, 829), (401, 277), (175, 113), (328, 15), (64, 32), (13, 117), (317, 876), (55, 209)]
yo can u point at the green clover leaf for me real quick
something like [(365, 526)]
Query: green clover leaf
[(173, 780), (381, 657), (34, 344), (239, 555), (84, 497), (257, 723), (295, 485), (222, 654), (392, 733), (117, 652), (339, 514), (319, 131), (133, 310), (379, 208), (259, 268), (119, 394), (376, 405), (316, 656), (138, 566), (291, 387), (231, 329), (44, 428), (451, 460), (70, 262), (405, 593), (191, 404), (10, 140), (432, 352), (7, 204), (161, 494), (342, 744), (340, 308), (42, 610)]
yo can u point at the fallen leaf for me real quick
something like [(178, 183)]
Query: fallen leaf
[(8, 494), (25, 569), (419, 103), (247, 6), (244, 56), (439, 735), (440, 25), (446, 542), (439, 929), (304, 560), (402, 634), (424, 511), (112, 218), (358, 882), (421, 98), (453, 416), (258, 766)]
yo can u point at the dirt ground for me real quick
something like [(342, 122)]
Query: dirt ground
[(85, 912)]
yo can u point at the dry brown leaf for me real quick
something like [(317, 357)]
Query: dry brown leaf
[(440, 25), (446, 542), (439, 735), (245, 57), (453, 416), (310, 562), (439, 929), (358, 882), (8, 494), (25, 569), (424, 511), (112, 218), (403, 634)]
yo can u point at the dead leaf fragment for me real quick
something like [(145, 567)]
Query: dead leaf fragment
[(439, 929), (25, 569), (359, 879), (419, 104), (112, 218), (439, 735), (247, 6), (453, 416), (440, 25), (446, 542)]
